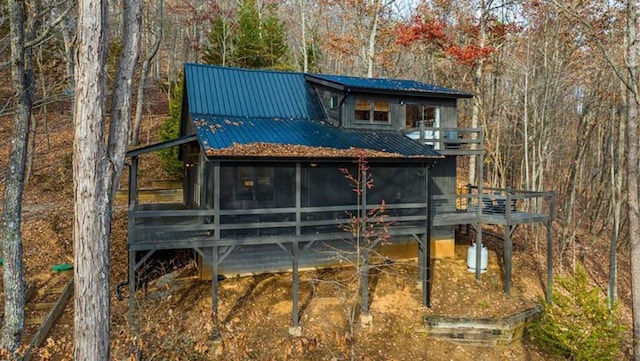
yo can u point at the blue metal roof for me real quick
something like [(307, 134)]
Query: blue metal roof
[(217, 133), (388, 85), (232, 106), (235, 92)]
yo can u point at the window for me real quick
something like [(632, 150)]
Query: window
[(368, 110), (254, 183), (363, 110), (334, 102), (422, 114)]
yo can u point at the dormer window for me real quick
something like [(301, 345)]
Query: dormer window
[(372, 111)]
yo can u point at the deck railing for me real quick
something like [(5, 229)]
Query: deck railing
[(449, 141), (155, 221), (493, 203)]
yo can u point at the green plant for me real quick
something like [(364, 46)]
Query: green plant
[(249, 37), (170, 129), (579, 324)]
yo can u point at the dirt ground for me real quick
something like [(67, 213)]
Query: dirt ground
[(174, 321)]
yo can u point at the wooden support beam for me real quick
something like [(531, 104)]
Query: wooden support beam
[(508, 255), (295, 250), (216, 199), (426, 245), (214, 293), (478, 250), (132, 287), (549, 290)]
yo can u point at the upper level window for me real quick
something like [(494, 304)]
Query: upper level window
[(422, 114), (369, 110)]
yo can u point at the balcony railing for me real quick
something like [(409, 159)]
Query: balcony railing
[(449, 141), (493, 206), (162, 226)]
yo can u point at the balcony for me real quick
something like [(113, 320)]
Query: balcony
[(450, 141)]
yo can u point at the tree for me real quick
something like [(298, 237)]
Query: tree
[(220, 39), (144, 75), (169, 130), (13, 270), (97, 166), (256, 40), (469, 40), (25, 34), (633, 111)]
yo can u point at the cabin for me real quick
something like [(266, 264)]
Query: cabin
[(266, 155)]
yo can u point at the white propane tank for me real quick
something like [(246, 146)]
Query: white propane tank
[(471, 259)]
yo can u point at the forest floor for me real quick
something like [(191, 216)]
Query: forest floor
[(174, 314)]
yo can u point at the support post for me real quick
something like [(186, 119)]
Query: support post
[(295, 330), (298, 198), (552, 205), (362, 252), (216, 199), (132, 288), (295, 262), (480, 165), (426, 272), (133, 182), (479, 246), (508, 254), (426, 247), (214, 293)]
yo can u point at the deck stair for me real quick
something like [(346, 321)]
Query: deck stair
[(481, 331), (158, 191), (44, 306)]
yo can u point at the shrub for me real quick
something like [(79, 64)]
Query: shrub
[(170, 129), (579, 324)]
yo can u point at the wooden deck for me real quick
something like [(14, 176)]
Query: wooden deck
[(464, 217), (173, 227), (497, 206), (292, 233)]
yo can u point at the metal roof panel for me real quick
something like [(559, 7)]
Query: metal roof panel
[(217, 133), (391, 85), (235, 92)]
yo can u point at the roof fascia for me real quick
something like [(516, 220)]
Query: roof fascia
[(162, 145), (342, 87)]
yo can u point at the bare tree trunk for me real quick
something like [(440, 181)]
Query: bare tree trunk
[(478, 94), (303, 26), (121, 105), (617, 154), (633, 52), (13, 270), (581, 143), (91, 251), (144, 74), (68, 30), (32, 32), (371, 50), (97, 167)]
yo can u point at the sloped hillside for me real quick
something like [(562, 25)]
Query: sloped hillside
[(174, 314)]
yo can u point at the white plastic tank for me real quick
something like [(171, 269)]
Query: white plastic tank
[(471, 259)]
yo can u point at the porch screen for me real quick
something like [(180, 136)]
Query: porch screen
[(324, 185)]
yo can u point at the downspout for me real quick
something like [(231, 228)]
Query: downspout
[(347, 92)]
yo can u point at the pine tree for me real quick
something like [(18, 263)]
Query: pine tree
[(276, 54), (249, 48), (219, 51), (252, 41)]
